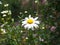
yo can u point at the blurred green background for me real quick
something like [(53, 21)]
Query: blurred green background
[(48, 12)]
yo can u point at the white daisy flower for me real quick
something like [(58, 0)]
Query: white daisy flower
[(6, 5), (30, 23)]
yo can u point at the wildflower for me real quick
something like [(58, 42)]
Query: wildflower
[(6, 5), (41, 39), (26, 37), (3, 31), (21, 31), (53, 28), (4, 15), (36, 1), (12, 20), (30, 22), (0, 2), (20, 12), (43, 27), (3, 12), (25, 11), (9, 12)]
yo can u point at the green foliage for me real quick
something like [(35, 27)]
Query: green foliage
[(12, 32)]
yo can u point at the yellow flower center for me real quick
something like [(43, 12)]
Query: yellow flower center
[(30, 21)]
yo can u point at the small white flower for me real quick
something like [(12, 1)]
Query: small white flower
[(41, 39), (21, 31), (3, 12), (12, 20), (4, 15), (26, 37), (0, 2), (3, 31), (43, 27), (36, 1), (30, 22), (20, 12), (25, 11), (6, 5), (9, 12)]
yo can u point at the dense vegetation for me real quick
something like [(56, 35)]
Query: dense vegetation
[(12, 13)]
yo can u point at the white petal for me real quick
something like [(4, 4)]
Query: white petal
[(29, 26), (26, 26), (24, 22), (29, 16), (26, 18), (37, 22), (36, 18), (35, 25), (32, 27)]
